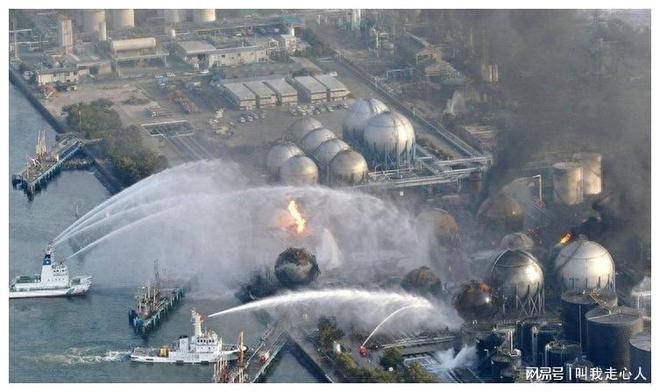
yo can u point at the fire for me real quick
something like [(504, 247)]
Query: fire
[(297, 216), (565, 239)]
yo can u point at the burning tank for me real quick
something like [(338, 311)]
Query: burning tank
[(261, 284), (474, 301), (296, 267), (501, 213), (422, 281)]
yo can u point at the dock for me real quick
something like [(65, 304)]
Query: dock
[(45, 165)]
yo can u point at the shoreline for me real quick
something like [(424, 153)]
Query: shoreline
[(101, 171)]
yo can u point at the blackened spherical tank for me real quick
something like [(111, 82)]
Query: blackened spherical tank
[(296, 267), (261, 284), (423, 281), (501, 213), (439, 225), (518, 240), (575, 304), (474, 300), (608, 335)]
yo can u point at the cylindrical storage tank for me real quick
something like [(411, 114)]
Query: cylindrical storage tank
[(473, 331), (348, 168), (498, 363), (357, 117), (585, 265), (591, 172), (103, 32), (389, 140), (575, 304), (640, 357), (279, 154), (132, 44), (326, 152), (486, 344), (501, 213), (558, 352), (314, 139), (578, 371), (174, 16), (170, 32), (300, 128), (608, 335), (122, 18), (92, 20), (567, 183), (542, 334), (516, 278), (203, 15), (299, 170)]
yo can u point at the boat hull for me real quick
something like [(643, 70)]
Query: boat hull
[(190, 359), (63, 292)]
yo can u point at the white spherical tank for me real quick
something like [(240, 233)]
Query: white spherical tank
[(203, 15), (591, 172), (300, 128), (299, 170), (92, 20), (279, 154), (357, 117), (389, 139), (584, 265), (328, 150), (567, 183), (122, 19), (348, 168), (315, 138)]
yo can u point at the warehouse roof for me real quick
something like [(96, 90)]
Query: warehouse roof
[(310, 84), (191, 48), (259, 88), (239, 91), (330, 82), (280, 86)]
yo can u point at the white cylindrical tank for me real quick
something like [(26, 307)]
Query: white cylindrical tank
[(299, 170), (567, 182), (174, 16), (203, 15), (92, 20), (103, 32), (121, 19), (133, 44), (279, 154), (348, 168), (591, 171), (584, 265), (170, 32)]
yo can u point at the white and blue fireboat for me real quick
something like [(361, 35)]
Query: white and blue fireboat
[(53, 282)]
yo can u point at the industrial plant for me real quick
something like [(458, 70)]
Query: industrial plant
[(362, 195)]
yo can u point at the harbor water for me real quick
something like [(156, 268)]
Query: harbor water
[(88, 339)]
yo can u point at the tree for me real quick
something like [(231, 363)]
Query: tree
[(328, 332), (391, 358), (417, 374)]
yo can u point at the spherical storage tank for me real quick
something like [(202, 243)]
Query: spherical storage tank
[(357, 117), (279, 154), (608, 335), (640, 356), (389, 140), (348, 168), (584, 265), (567, 183), (501, 213), (314, 139), (591, 172), (295, 267), (575, 304), (324, 153), (442, 226), (300, 128), (474, 301), (518, 240), (517, 282), (299, 170), (122, 18)]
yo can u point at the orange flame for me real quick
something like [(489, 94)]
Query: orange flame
[(565, 239), (297, 216)]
